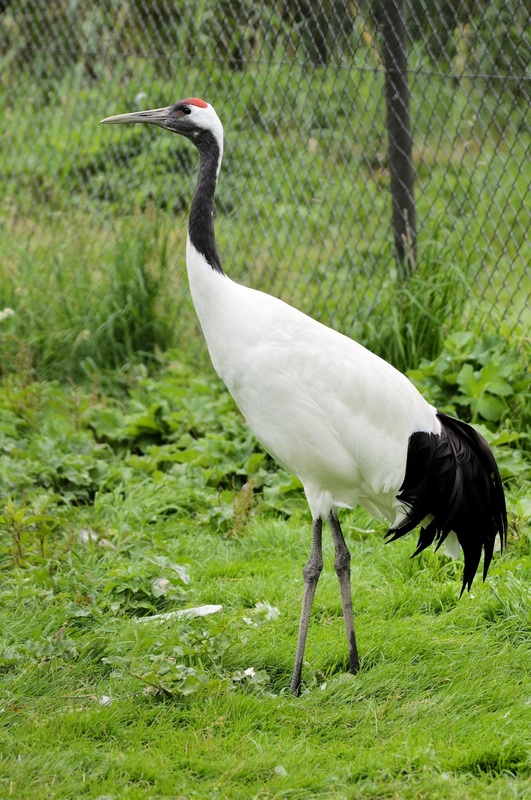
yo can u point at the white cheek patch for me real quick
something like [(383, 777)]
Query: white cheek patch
[(206, 118)]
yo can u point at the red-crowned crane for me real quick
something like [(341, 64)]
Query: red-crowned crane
[(348, 424)]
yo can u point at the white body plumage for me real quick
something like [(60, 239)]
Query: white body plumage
[(327, 409)]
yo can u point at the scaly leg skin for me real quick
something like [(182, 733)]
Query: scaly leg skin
[(342, 567), (310, 573)]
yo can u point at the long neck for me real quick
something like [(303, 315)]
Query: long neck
[(201, 222)]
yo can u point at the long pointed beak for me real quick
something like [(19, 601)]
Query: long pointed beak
[(156, 116)]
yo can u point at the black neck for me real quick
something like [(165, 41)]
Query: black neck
[(201, 222)]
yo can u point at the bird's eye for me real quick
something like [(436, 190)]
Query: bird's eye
[(186, 110)]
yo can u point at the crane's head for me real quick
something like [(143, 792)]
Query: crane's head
[(192, 118)]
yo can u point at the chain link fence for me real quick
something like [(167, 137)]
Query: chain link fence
[(303, 208)]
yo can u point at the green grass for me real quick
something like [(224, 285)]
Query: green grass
[(440, 708), (77, 314), (117, 508)]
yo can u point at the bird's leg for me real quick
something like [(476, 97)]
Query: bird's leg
[(342, 567), (310, 573)]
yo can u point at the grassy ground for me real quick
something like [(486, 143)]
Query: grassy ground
[(440, 708), (122, 509)]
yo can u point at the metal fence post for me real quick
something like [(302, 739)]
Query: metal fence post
[(393, 30)]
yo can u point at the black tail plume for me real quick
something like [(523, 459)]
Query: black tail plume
[(453, 477)]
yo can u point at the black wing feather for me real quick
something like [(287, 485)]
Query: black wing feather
[(453, 477)]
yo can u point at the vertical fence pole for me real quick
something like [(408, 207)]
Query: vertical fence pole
[(393, 29)]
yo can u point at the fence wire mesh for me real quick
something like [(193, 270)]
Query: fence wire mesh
[(303, 205)]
